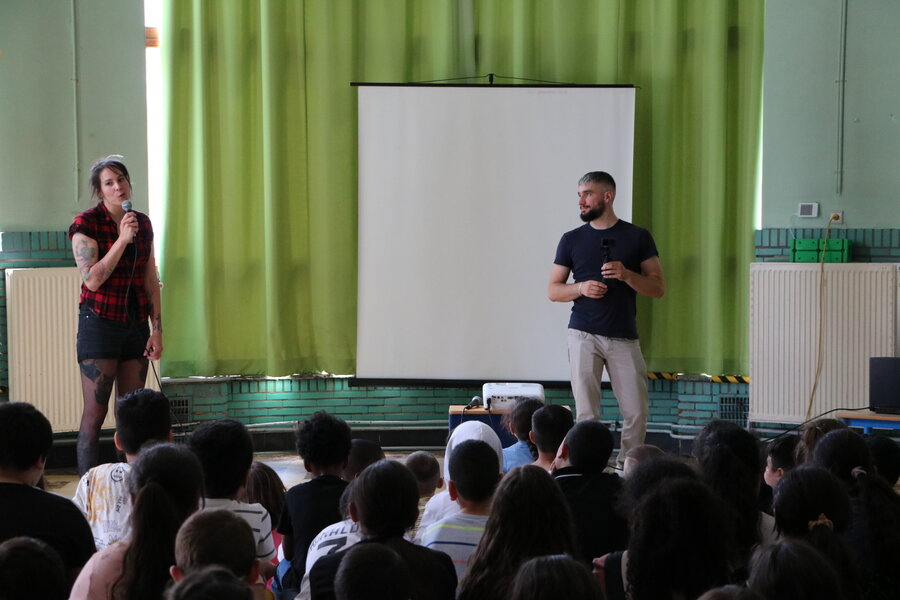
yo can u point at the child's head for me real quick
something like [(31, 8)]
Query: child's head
[(637, 455), (587, 446), (427, 471), (30, 568), (731, 592), (805, 495), (886, 455), (142, 415), (549, 426), (265, 487), (841, 451), (473, 472), (323, 442), (371, 571), (554, 576), (225, 450), (210, 583), (793, 569), (648, 475), (518, 419), (780, 458), (385, 499), (215, 537), (25, 440), (362, 454), (810, 435)]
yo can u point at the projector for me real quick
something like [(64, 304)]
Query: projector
[(502, 396)]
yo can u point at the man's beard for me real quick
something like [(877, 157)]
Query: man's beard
[(592, 214)]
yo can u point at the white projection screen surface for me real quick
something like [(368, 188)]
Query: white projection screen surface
[(464, 192)]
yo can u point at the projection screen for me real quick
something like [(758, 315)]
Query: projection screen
[(464, 192)]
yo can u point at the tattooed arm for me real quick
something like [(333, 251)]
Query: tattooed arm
[(152, 286), (95, 272)]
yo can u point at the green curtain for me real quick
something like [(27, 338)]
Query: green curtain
[(259, 255)]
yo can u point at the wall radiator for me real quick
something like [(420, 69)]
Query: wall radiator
[(42, 321), (861, 320)]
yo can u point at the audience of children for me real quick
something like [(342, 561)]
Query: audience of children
[(637, 455), (549, 426), (780, 458), (518, 422), (165, 481), (553, 577), (529, 517), (592, 494), (30, 568), (218, 537), (474, 475), (26, 438), (811, 433), (210, 583), (265, 487), (372, 572), (440, 505), (225, 450), (427, 471), (792, 569), (323, 443), (886, 457), (384, 501), (142, 416)]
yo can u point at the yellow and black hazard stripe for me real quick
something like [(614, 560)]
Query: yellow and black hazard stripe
[(729, 379), (669, 376)]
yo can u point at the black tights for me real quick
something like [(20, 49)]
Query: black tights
[(97, 378)]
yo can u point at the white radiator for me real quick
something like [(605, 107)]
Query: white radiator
[(861, 320), (42, 321)]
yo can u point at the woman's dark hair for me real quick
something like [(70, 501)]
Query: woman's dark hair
[(386, 498), (31, 568), (874, 535), (112, 162), (810, 435), (553, 577), (680, 544), (529, 517), (265, 487), (731, 463), (647, 476), (793, 569), (812, 505), (166, 484), (886, 456)]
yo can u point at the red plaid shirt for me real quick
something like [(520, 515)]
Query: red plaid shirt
[(110, 301)]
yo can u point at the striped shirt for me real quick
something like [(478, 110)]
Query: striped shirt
[(258, 518), (456, 535)]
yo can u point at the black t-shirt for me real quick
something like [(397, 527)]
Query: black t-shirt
[(28, 511), (592, 496), (308, 509), (583, 250)]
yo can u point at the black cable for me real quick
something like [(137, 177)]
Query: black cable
[(798, 426)]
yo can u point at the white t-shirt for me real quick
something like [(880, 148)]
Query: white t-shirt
[(103, 497), (258, 518)]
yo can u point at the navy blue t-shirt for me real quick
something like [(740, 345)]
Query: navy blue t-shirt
[(582, 251)]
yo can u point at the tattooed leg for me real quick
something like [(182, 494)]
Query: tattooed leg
[(131, 375), (97, 378)]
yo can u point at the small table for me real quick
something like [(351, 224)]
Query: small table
[(869, 420), (493, 418)]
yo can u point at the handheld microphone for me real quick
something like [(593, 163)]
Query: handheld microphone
[(126, 206), (605, 245)]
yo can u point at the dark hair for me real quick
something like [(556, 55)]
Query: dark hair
[(386, 499), (112, 162), (142, 415), (783, 451), (681, 542), (529, 517), (474, 467), (731, 592), (31, 568), (426, 469), (225, 450), (518, 418), (590, 445), (362, 454), (549, 426), (647, 476), (731, 464), (812, 504), (792, 569), (601, 177), (886, 456), (210, 583), (552, 577), (216, 537), (323, 440), (264, 487), (25, 436), (371, 571), (166, 484), (810, 435)]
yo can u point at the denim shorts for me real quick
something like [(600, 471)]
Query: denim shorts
[(103, 338)]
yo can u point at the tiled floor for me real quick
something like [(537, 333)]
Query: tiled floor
[(288, 466)]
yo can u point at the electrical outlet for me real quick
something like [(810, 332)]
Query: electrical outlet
[(836, 217)]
